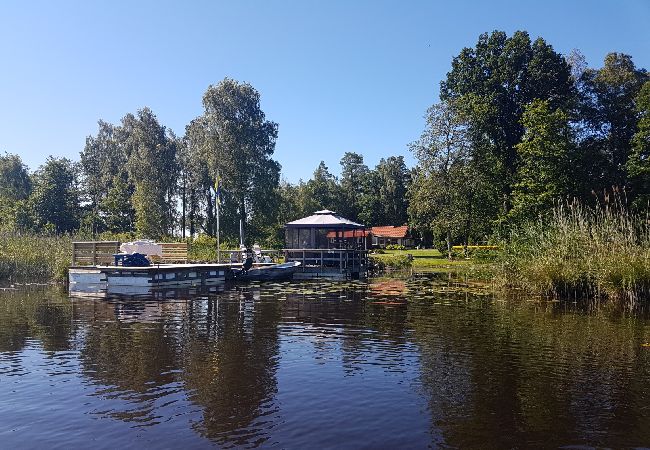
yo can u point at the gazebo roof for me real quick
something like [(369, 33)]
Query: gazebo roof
[(324, 219)]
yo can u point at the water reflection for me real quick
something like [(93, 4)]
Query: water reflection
[(391, 363), (230, 365)]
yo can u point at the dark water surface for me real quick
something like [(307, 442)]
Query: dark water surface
[(385, 364)]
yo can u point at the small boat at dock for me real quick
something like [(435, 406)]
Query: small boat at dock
[(274, 272)]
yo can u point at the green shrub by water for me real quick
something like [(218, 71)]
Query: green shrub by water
[(580, 252), (203, 248), (391, 262)]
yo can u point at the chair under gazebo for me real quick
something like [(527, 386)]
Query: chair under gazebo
[(327, 245)]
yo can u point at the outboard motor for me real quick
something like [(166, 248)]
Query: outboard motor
[(248, 262)]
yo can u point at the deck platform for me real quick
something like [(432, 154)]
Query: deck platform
[(145, 279), (333, 264)]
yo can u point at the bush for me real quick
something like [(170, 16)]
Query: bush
[(204, 248), (391, 262), (484, 255), (441, 246), (395, 247)]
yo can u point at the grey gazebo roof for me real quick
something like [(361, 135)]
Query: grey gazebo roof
[(324, 219)]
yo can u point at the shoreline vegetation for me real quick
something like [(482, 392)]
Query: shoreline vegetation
[(526, 149), (600, 253), (579, 253)]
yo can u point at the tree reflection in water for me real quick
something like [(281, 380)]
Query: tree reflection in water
[(489, 373), (230, 360)]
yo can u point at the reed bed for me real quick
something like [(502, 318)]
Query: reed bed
[(33, 258), (581, 252)]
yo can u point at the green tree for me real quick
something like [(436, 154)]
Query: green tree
[(438, 195), (287, 207), (545, 153), (638, 164), (153, 169), (609, 113), (119, 214), (371, 210), (238, 143), (199, 182), (15, 188), (322, 191), (15, 183), (353, 175), (494, 81), (55, 197), (393, 180), (104, 157)]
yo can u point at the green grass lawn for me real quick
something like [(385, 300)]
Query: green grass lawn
[(425, 259)]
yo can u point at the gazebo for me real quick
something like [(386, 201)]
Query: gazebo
[(327, 245)]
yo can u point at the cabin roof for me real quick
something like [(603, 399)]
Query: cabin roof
[(324, 219), (391, 231)]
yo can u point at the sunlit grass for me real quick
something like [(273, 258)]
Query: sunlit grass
[(423, 259)]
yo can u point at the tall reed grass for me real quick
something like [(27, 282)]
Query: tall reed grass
[(581, 252), (33, 258)]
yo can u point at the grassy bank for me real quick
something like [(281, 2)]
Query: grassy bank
[(423, 260), (579, 252)]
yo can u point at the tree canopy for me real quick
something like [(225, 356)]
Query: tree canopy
[(517, 127)]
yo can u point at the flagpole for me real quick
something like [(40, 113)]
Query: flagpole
[(217, 201), (218, 245)]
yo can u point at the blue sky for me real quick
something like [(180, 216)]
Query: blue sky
[(337, 76)]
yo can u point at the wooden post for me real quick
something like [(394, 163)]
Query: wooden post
[(94, 253)]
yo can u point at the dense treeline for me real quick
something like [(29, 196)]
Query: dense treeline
[(137, 178), (518, 128)]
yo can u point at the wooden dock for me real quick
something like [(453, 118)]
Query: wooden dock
[(146, 279), (330, 263)]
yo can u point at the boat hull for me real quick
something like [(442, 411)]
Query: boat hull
[(278, 272)]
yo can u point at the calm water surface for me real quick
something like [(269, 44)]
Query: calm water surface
[(387, 364)]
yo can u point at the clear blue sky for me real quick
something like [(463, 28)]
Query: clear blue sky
[(336, 75)]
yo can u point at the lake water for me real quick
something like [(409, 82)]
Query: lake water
[(411, 363)]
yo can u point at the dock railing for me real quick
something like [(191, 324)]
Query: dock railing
[(235, 256), (174, 252), (93, 253), (330, 259)]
